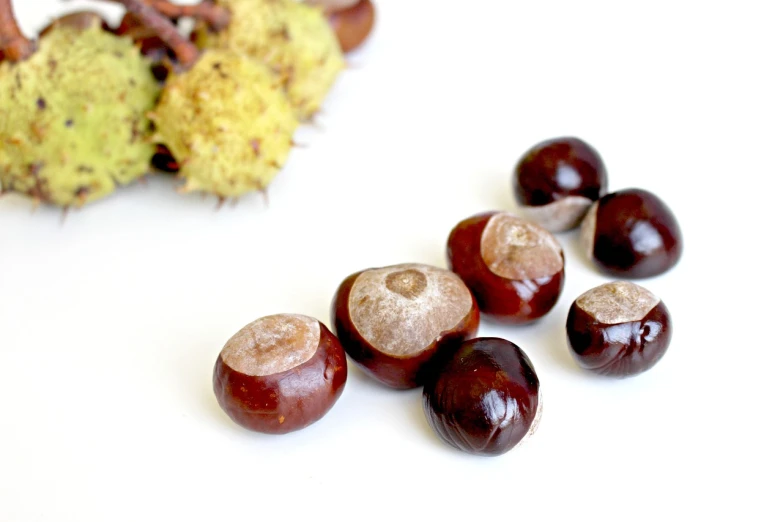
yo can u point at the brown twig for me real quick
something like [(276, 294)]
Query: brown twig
[(217, 17), (14, 46), (186, 52)]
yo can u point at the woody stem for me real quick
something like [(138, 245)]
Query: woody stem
[(217, 17), (14, 46), (186, 52)]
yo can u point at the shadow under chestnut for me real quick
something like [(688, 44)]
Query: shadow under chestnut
[(417, 418)]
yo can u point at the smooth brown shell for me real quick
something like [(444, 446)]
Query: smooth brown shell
[(486, 399), (396, 372), (633, 234), (504, 300), (622, 349), (286, 401), (558, 168)]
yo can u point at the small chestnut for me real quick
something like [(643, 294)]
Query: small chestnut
[(486, 399), (280, 373), (632, 233), (618, 329), (398, 322), (514, 267), (557, 180)]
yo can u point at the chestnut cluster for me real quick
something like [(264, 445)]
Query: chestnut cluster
[(415, 325), (618, 328), (165, 98)]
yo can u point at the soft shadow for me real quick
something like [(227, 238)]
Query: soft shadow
[(551, 343), (416, 417), (359, 375), (572, 245), (210, 406), (498, 196), (207, 402)]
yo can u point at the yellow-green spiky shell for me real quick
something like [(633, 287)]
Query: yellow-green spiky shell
[(227, 122), (293, 38), (73, 121)]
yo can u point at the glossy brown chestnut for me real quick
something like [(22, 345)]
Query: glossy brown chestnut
[(557, 180), (618, 329), (486, 399), (280, 373), (515, 268), (632, 233), (399, 322), (353, 24)]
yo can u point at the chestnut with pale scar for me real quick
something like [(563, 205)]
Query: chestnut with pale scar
[(393, 321), (618, 302), (556, 181), (618, 329), (632, 233), (272, 344), (401, 310), (516, 249), (280, 373), (514, 267)]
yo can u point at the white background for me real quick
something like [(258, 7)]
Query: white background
[(111, 321)]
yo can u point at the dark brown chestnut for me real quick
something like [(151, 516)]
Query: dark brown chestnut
[(399, 322), (557, 180), (486, 399), (618, 329), (514, 267), (353, 24), (632, 233), (280, 373)]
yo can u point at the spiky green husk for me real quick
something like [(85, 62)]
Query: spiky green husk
[(293, 38), (227, 122), (74, 122)]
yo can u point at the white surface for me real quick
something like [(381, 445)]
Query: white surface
[(110, 323)]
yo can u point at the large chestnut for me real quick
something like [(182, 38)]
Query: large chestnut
[(398, 322), (632, 233), (514, 267), (557, 180), (618, 329), (486, 399), (280, 373)]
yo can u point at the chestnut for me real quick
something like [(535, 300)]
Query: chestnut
[(280, 373), (632, 233), (514, 267), (557, 180), (353, 24), (398, 322), (618, 329), (486, 399)]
